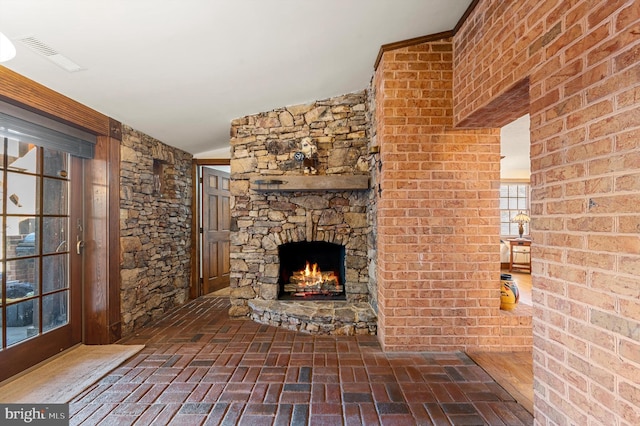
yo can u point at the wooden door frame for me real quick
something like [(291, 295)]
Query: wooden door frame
[(101, 316), (195, 289)]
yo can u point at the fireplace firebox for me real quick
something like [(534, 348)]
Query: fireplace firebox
[(311, 270)]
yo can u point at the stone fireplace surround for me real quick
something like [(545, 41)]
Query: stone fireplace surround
[(333, 217), (264, 146)]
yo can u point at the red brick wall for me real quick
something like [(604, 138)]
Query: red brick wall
[(581, 63), (438, 217)]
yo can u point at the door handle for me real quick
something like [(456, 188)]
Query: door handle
[(80, 242)]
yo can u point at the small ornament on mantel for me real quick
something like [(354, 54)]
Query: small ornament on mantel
[(310, 152)]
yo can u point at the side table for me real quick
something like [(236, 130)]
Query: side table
[(517, 250)]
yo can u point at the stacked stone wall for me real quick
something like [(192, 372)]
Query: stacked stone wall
[(155, 228), (375, 165)]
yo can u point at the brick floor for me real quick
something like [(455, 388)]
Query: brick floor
[(201, 368)]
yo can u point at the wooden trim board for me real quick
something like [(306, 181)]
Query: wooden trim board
[(63, 377)]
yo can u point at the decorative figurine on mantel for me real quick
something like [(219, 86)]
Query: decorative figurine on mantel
[(310, 159)]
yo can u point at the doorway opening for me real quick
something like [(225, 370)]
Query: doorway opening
[(515, 168), (212, 217), (515, 198)]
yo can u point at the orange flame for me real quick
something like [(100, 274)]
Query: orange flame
[(312, 275), (313, 271)]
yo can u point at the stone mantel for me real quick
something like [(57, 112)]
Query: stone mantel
[(309, 183)]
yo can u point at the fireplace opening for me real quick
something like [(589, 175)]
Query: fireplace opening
[(311, 271)]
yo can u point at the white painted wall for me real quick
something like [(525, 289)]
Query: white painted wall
[(516, 147)]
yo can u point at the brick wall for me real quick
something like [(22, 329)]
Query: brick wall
[(437, 214), (578, 63)]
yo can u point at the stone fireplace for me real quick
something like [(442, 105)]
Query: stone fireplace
[(300, 193)]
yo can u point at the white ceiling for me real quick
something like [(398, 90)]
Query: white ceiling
[(181, 70)]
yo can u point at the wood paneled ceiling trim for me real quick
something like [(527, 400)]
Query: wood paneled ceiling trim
[(25, 93)]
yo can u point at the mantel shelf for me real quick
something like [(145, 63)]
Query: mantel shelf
[(310, 183)]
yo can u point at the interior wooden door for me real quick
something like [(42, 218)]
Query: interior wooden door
[(216, 222)]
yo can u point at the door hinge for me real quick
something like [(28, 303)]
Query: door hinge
[(201, 230)]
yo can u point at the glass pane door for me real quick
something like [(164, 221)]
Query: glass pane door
[(34, 258)]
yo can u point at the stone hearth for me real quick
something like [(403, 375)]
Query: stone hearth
[(335, 318), (268, 210)]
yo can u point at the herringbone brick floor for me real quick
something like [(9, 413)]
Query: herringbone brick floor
[(200, 367)]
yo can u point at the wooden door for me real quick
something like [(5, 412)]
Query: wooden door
[(216, 222)]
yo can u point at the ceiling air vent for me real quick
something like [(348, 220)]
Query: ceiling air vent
[(50, 53)]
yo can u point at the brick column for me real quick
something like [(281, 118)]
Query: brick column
[(438, 212)]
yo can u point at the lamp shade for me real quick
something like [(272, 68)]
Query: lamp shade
[(521, 218), (7, 49)]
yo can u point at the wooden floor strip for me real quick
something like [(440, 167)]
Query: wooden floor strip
[(511, 370), (63, 377)]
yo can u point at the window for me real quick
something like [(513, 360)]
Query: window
[(514, 198)]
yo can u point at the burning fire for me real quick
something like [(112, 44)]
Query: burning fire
[(312, 281), (308, 272), (312, 276), (313, 272)]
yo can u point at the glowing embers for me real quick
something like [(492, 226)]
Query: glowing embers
[(312, 281)]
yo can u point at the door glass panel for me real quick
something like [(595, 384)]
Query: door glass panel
[(56, 163), (55, 199), (22, 321), (55, 231), (54, 273), (21, 194), (22, 278), (22, 237), (55, 312), (22, 157)]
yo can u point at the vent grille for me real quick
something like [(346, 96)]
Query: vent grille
[(50, 53), (38, 46)]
